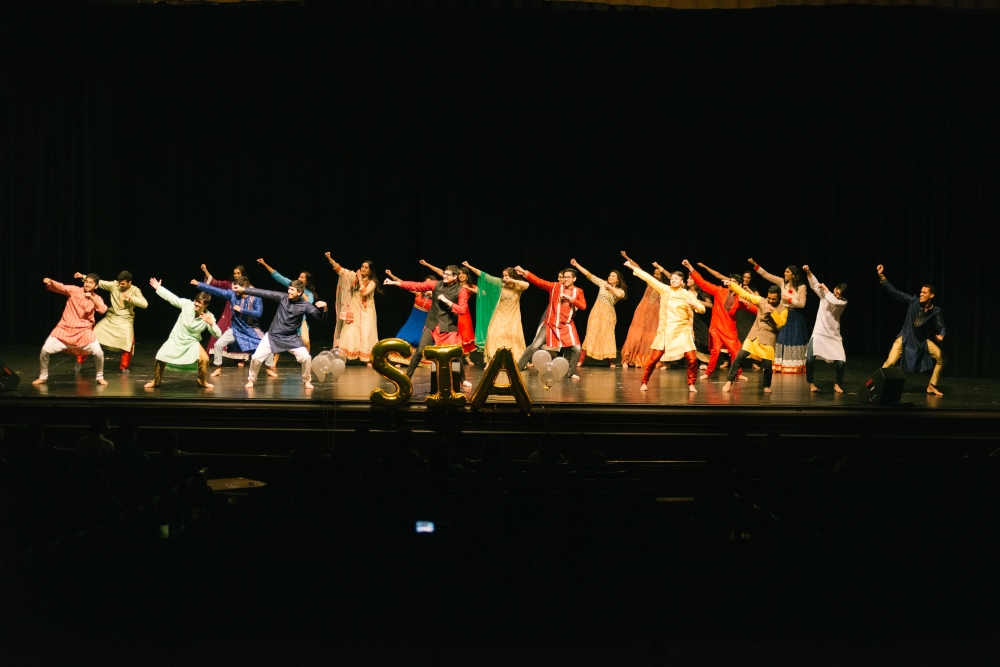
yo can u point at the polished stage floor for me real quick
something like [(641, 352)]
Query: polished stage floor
[(599, 386)]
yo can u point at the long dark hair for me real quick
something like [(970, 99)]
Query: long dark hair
[(371, 276), (470, 276), (796, 275), (309, 284), (622, 285)]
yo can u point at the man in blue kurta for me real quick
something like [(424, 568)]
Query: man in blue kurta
[(917, 342), (244, 329), (282, 335)]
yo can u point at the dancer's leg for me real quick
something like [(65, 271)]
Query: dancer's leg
[(768, 371), (574, 358), (895, 353), (939, 360), (220, 345), (534, 347), (203, 368), (51, 346), (734, 368), (692, 364), (304, 333), (262, 352), (426, 338), (811, 366), (650, 365), (127, 358), (714, 348), (839, 365), (301, 355), (733, 345), (158, 368), (98, 354)]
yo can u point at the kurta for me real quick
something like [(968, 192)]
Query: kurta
[(918, 326), (115, 331), (725, 307), (442, 320), (677, 307), (505, 327), (283, 333), (306, 294), (826, 341), (563, 303), (761, 339), (466, 329), (490, 288), (181, 349), (642, 331), (76, 327), (246, 322), (600, 340), (357, 334)]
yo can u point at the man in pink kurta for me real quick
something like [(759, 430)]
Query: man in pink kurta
[(559, 330), (75, 331)]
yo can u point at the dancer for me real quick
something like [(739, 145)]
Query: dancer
[(115, 331), (357, 323), (790, 348), (673, 331), (226, 319), (466, 329), (449, 301), (916, 343), (283, 334), (599, 342), (559, 330), (772, 313), (722, 331), (488, 295), (744, 318), (504, 328), (183, 350), (245, 326), (413, 328), (308, 294), (75, 331), (825, 342), (699, 329), (636, 348)]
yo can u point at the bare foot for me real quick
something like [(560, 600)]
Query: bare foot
[(767, 390), (756, 367), (102, 382), (307, 385), (466, 384), (813, 387), (726, 387), (691, 389), (370, 365), (240, 364), (574, 376), (150, 385), (624, 367), (931, 389), (579, 364), (530, 366), (642, 387), (217, 372), (742, 378), (837, 389), (611, 365), (703, 376), (40, 381), (208, 385), (272, 373), (249, 385)]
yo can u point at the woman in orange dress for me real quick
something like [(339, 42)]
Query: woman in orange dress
[(636, 349)]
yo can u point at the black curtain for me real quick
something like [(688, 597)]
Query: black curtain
[(157, 138)]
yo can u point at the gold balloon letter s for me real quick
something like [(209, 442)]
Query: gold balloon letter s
[(380, 362)]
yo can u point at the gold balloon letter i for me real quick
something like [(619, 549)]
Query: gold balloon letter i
[(380, 362), (445, 396)]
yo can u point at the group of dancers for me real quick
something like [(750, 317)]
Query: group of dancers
[(769, 329)]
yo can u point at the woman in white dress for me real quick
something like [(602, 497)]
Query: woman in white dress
[(357, 325)]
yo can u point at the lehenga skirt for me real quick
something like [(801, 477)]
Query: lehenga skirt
[(414, 327), (790, 349)]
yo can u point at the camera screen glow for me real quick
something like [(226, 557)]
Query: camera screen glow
[(425, 526)]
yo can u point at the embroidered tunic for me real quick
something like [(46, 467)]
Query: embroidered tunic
[(559, 327), (183, 344), (677, 307), (600, 340), (246, 322), (918, 326), (115, 331), (357, 334), (761, 339), (76, 327), (505, 328), (826, 341), (283, 333)]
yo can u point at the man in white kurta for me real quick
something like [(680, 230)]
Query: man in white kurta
[(826, 342), (115, 331)]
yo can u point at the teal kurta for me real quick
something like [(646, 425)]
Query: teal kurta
[(181, 349), (114, 332), (486, 302)]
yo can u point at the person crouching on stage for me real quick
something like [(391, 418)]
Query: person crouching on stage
[(115, 332), (673, 332), (826, 342), (183, 350), (75, 330), (283, 334), (917, 342), (449, 300), (772, 314), (722, 331), (559, 330)]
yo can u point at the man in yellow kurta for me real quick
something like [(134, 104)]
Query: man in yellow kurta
[(771, 316), (673, 334), (115, 331)]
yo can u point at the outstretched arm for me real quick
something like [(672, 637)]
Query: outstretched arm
[(814, 283), (769, 277), (713, 272), (266, 266), (214, 291), (470, 267), (336, 266), (208, 274), (433, 268), (743, 294), (261, 293), (650, 280), (164, 293)]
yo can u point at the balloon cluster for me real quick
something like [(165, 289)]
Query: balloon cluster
[(332, 362), (549, 369)]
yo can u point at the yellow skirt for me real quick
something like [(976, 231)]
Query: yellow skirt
[(757, 350)]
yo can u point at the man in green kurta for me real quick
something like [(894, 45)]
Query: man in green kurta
[(183, 350), (115, 331)]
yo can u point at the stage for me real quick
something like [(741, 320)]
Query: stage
[(604, 400)]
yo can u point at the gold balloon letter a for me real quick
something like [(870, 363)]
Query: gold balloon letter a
[(502, 361), (380, 362), (445, 396)]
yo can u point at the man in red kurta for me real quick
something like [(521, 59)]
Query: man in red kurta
[(722, 330), (75, 331), (558, 330)]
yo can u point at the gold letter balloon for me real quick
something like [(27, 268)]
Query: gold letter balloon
[(380, 362), (445, 396)]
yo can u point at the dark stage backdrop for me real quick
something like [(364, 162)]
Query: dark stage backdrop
[(157, 138)]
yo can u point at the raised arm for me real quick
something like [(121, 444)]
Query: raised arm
[(650, 280), (260, 293), (702, 284), (712, 271), (208, 274), (470, 267), (433, 268), (55, 286), (280, 279), (105, 285), (412, 285), (769, 277), (743, 294), (518, 284), (318, 311), (266, 266), (814, 283), (214, 291), (336, 266), (165, 294)]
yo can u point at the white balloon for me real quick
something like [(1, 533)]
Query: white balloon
[(337, 369), (549, 367), (339, 353), (320, 375), (547, 377), (561, 365), (540, 358), (322, 364)]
